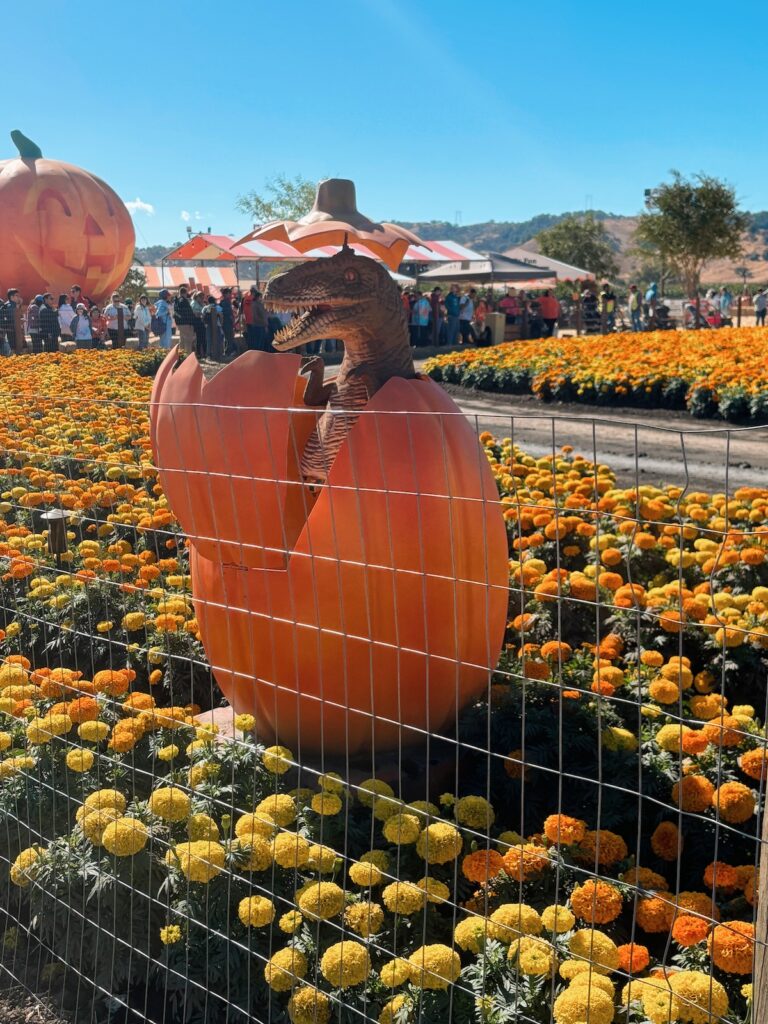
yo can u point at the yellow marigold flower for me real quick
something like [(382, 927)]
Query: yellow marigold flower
[(435, 966), (395, 973), (670, 738), (202, 826), (93, 824), (256, 853), (321, 900), (26, 866), (392, 1010), (104, 627), (331, 782), (365, 918), (170, 803), (168, 752), (93, 732), (581, 1004), (378, 857), (345, 964), (281, 807), (746, 991), (277, 760), (285, 968), (200, 861), (170, 934), (290, 850), (290, 922), (13, 765), (368, 791), (511, 920), (365, 874), (446, 799), (471, 934), (245, 723), (403, 898), (475, 812), (437, 892), (198, 773), (322, 858), (256, 911), (80, 760), (309, 1005), (402, 829), (557, 919), (439, 843), (124, 837), (533, 956), (259, 823), (134, 621), (326, 804), (596, 947), (103, 799), (42, 730), (703, 1000)]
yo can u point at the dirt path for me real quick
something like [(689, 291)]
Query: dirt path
[(651, 446)]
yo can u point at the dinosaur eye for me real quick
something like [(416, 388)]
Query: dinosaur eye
[(351, 276)]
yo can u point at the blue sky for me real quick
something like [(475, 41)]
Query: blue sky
[(491, 108)]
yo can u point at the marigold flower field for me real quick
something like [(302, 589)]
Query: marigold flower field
[(591, 856), (710, 373)]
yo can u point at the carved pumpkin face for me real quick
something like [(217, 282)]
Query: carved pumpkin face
[(61, 226)]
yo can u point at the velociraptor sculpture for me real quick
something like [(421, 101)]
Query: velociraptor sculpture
[(352, 298)]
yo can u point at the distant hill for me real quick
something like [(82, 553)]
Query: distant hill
[(496, 236)]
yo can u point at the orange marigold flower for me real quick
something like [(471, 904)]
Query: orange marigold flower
[(83, 709), (725, 731), (603, 847), (754, 763), (734, 802), (719, 875), (644, 878), (482, 865), (654, 914), (114, 682), (596, 902), (556, 650), (693, 793), (732, 947), (560, 828), (694, 741), (690, 931), (633, 958), (525, 861), (666, 841)]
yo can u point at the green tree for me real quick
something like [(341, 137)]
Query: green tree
[(582, 241), (134, 284), (688, 223), (282, 198)]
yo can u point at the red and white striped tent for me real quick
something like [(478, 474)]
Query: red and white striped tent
[(222, 247), (207, 279)]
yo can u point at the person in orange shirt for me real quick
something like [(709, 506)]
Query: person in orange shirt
[(550, 311)]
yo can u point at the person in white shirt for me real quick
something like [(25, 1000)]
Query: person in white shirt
[(116, 312), (66, 316), (761, 304), (466, 315), (142, 320)]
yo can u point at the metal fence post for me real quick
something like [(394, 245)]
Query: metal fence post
[(760, 976)]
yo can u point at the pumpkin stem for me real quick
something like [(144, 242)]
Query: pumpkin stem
[(28, 150)]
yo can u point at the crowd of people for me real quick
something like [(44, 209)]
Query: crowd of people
[(205, 324), (457, 317), (220, 327)]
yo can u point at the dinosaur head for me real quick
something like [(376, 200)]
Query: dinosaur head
[(345, 296)]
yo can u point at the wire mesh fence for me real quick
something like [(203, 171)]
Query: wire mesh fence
[(494, 748)]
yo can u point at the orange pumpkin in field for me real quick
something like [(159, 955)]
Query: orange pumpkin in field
[(61, 226), (357, 616)]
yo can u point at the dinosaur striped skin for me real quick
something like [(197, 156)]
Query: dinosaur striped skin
[(352, 298)]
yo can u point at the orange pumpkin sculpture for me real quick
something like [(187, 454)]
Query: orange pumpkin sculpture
[(356, 618), (61, 226)]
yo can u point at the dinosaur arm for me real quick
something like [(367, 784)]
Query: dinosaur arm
[(317, 391)]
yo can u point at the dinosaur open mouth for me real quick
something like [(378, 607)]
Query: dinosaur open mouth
[(304, 325)]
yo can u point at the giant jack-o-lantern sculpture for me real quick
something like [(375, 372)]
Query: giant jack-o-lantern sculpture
[(61, 226), (348, 554)]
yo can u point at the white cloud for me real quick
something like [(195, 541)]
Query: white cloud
[(139, 206), (198, 215), (186, 215)]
